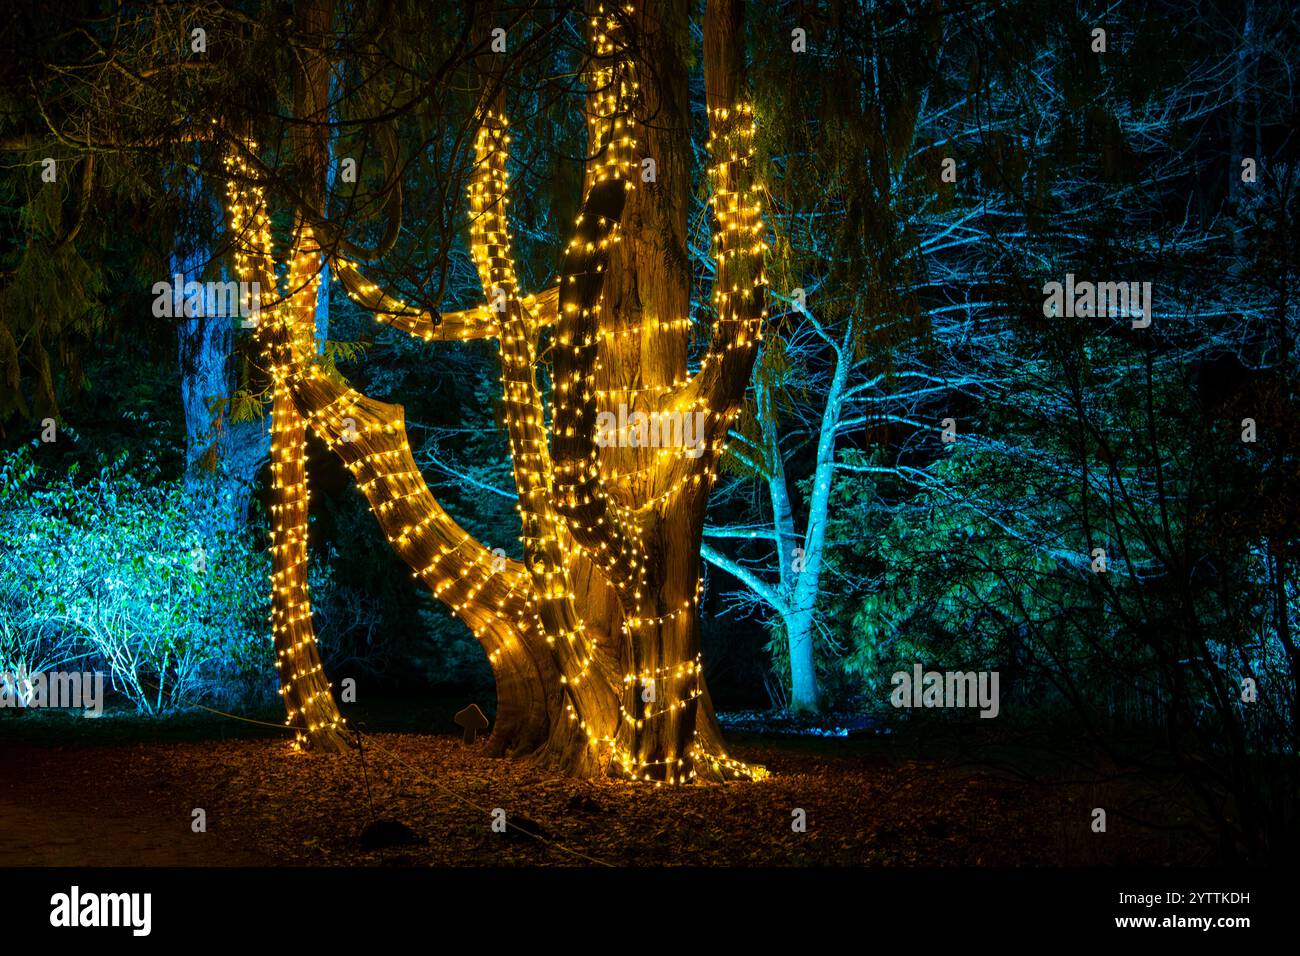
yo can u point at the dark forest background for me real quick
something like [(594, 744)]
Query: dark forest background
[(929, 468)]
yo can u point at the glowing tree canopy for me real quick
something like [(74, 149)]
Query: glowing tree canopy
[(593, 638)]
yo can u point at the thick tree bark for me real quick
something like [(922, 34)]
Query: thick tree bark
[(221, 458), (646, 295)]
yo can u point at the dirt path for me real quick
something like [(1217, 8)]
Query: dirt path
[(132, 804), (85, 807), (60, 838)]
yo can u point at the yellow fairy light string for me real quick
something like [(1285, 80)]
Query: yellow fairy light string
[(309, 707)]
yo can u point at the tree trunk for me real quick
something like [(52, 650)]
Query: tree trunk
[(309, 705), (289, 342), (221, 458), (639, 365), (797, 620), (594, 636)]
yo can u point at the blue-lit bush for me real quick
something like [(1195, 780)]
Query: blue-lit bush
[(110, 572)]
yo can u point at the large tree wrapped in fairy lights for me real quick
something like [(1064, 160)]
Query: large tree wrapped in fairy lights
[(593, 637)]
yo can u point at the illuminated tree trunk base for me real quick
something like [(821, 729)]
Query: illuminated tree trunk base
[(535, 721)]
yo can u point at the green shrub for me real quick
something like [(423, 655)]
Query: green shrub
[(111, 572)]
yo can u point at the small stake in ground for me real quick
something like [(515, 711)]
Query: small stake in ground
[(472, 719)]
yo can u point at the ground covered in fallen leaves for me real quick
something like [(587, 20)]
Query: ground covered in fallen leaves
[(866, 802)]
